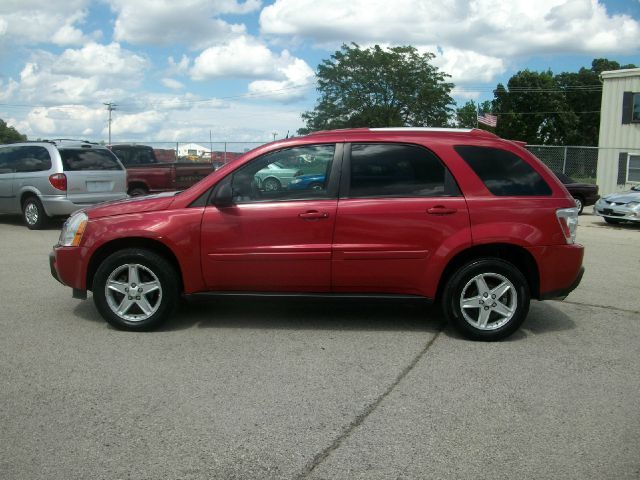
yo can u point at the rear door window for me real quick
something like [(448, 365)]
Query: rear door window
[(503, 172), (74, 160), (24, 159), (396, 170)]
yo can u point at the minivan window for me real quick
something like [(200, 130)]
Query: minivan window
[(503, 173), (24, 159), (88, 159), (392, 170)]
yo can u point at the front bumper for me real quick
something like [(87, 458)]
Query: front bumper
[(68, 266), (616, 212)]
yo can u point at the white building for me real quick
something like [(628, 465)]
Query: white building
[(619, 140), (192, 150)]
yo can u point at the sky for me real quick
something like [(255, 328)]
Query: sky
[(244, 70)]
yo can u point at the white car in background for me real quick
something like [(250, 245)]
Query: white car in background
[(620, 207)]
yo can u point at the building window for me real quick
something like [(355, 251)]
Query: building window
[(633, 168), (635, 114)]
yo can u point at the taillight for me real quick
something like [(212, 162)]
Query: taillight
[(58, 181), (568, 218)]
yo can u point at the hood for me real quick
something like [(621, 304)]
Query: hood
[(147, 203), (624, 197)]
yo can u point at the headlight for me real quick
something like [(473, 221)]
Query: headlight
[(73, 229), (295, 180)]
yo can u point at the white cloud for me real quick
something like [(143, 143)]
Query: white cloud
[(466, 66), (94, 73), (178, 68), (494, 28), (299, 77), (137, 123), (172, 84), (194, 23), (40, 21)]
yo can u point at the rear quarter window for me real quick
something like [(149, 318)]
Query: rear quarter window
[(74, 160), (503, 173)]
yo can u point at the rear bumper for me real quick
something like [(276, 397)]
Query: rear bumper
[(55, 205), (560, 269), (563, 293)]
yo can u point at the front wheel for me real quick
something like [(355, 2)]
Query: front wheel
[(486, 299), (135, 289), (271, 185), (612, 221), (579, 204)]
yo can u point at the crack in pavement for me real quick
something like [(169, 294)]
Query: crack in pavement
[(346, 432), (606, 307)]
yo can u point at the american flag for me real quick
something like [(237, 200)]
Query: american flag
[(487, 119)]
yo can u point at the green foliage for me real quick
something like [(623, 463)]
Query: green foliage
[(379, 88), (9, 134), (543, 108), (467, 115)]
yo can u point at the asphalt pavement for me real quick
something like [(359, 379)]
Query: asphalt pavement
[(297, 389)]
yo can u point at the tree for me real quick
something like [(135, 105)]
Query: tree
[(543, 108), (9, 134), (467, 115), (379, 88)]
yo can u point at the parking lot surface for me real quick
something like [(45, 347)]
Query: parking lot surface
[(282, 389)]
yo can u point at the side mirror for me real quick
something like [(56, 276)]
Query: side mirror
[(223, 196)]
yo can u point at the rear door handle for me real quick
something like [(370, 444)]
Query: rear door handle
[(313, 215), (441, 210)]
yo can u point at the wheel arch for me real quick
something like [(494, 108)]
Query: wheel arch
[(136, 242), (514, 254)]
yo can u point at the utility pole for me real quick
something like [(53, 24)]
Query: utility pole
[(111, 107)]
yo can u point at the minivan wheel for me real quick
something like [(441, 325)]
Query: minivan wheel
[(135, 289), (138, 192), (486, 299), (33, 213)]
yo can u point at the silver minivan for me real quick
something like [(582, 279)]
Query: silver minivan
[(46, 179)]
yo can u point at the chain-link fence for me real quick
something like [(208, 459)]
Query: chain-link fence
[(579, 163)]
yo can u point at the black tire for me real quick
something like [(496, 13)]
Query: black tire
[(579, 204), (612, 221), (271, 185), (33, 214), (151, 270), (138, 192), (465, 283), (315, 186)]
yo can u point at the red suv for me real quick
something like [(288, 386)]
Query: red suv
[(459, 216)]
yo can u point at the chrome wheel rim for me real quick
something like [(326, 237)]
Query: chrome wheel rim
[(133, 292), (271, 185), (31, 213), (488, 301), (578, 203)]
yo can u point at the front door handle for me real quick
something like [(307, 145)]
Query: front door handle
[(441, 210), (313, 215)]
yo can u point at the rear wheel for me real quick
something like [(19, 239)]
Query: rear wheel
[(33, 213), (486, 299), (135, 289), (271, 185), (137, 191)]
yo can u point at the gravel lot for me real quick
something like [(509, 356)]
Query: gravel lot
[(262, 389)]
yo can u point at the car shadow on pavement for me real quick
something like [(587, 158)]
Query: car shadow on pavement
[(16, 220), (543, 318), (331, 314), (307, 314)]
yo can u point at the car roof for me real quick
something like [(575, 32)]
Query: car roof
[(427, 131)]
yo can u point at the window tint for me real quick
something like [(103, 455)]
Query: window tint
[(24, 159), (379, 170), (503, 172), (88, 159), (290, 174), (123, 155)]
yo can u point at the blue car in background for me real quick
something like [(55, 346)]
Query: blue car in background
[(312, 181)]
